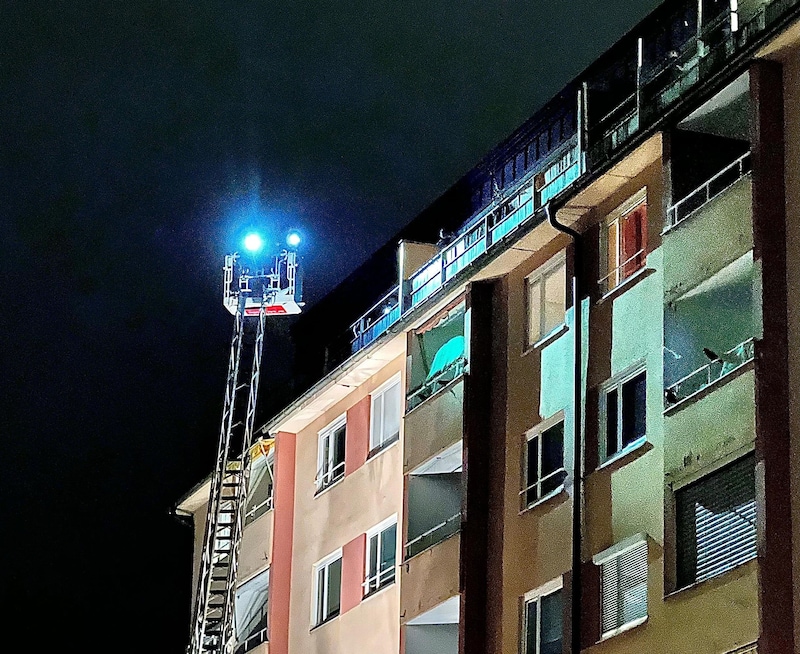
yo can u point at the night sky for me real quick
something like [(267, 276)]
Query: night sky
[(137, 140)]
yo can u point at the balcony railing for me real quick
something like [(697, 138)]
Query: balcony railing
[(694, 63), (622, 272), (710, 373), (434, 535), (382, 315), (258, 510), (433, 385), (707, 191)]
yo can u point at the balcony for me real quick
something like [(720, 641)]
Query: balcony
[(436, 630), (376, 321)]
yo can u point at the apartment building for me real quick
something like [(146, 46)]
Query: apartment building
[(574, 424)]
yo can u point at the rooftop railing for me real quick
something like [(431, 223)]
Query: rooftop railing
[(706, 375), (694, 63), (382, 315), (707, 191), (434, 535)]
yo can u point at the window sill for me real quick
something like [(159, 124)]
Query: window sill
[(630, 626), (380, 449), (624, 457), (552, 336), (327, 620), (325, 489), (721, 579), (548, 502), (625, 284)]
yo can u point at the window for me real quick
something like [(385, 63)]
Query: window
[(623, 586), (716, 522), (330, 456), (542, 620), (624, 242), (251, 612), (381, 556), (623, 403), (544, 461), (327, 588), (385, 415), (546, 295)]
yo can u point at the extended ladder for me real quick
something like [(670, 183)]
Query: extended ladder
[(213, 625)]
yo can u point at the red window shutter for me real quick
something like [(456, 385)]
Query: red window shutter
[(357, 436), (634, 239), (353, 561)]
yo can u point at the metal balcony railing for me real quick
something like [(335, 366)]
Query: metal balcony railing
[(710, 373), (381, 315), (622, 272), (258, 510), (707, 191), (434, 535), (433, 385)]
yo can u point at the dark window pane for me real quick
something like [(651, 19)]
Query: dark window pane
[(334, 588), (388, 554), (338, 445), (532, 472), (520, 164), (634, 402), (530, 627), (553, 449), (552, 613), (373, 557), (612, 445)]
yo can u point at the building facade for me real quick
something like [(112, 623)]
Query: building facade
[(573, 425)]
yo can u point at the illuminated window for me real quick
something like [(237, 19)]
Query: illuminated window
[(624, 242), (381, 556), (327, 588), (544, 461), (546, 297), (542, 623), (330, 453), (623, 410), (385, 415)]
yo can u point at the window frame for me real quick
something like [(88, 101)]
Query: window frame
[(319, 598), (378, 530), (537, 432), (616, 383), (325, 477), (614, 553), (378, 394), (616, 217), (540, 277), (536, 595)]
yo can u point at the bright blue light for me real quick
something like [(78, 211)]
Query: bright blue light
[(293, 239), (253, 242)]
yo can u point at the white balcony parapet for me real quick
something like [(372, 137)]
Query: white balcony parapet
[(713, 371), (703, 194), (434, 535)]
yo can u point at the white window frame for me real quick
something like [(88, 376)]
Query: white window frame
[(536, 432), (379, 395), (327, 473), (631, 204), (540, 276), (613, 554), (536, 595), (318, 599), (378, 530), (616, 383)]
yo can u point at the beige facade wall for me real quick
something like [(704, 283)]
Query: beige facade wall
[(429, 578), (434, 425), (256, 547), (339, 514)]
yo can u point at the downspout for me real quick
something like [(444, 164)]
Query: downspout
[(577, 469)]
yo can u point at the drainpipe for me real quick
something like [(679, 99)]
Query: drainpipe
[(577, 469)]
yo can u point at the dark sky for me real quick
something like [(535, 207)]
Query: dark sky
[(137, 140)]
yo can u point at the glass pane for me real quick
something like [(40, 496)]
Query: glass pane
[(251, 606), (611, 423), (555, 293), (388, 553), (552, 616), (334, 588), (338, 449), (532, 470), (634, 413), (321, 604), (530, 628), (612, 260), (372, 567), (534, 312), (553, 449), (391, 413)]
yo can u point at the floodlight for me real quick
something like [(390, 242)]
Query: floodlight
[(293, 239), (253, 242)]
